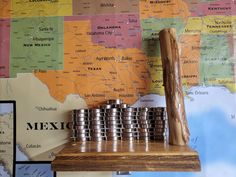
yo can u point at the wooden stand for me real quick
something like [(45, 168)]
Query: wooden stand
[(125, 156)]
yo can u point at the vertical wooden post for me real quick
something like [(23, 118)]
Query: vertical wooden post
[(178, 127)]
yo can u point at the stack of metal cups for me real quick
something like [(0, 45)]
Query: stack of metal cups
[(130, 124), (80, 125), (114, 124), (97, 124), (152, 116), (146, 124), (113, 119), (161, 124)]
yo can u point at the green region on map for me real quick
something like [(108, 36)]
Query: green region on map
[(151, 47), (150, 29), (216, 61), (36, 44)]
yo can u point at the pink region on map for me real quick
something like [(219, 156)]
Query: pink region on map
[(4, 47), (116, 31), (231, 43), (222, 7)]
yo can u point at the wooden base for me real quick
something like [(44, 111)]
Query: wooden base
[(125, 156)]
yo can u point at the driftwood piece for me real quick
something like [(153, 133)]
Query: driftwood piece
[(178, 127)]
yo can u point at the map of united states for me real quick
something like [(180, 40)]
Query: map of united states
[(58, 55)]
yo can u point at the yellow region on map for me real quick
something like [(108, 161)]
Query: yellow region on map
[(155, 68), (229, 83), (218, 24), (34, 8), (163, 9), (211, 25), (95, 72), (5, 8), (194, 25), (190, 59)]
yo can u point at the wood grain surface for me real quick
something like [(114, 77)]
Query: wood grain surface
[(178, 127), (126, 156)]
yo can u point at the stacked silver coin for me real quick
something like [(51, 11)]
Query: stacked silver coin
[(161, 124), (114, 124), (80, 125), (97, 124), (146, 124), (115, 120), (130, 123)]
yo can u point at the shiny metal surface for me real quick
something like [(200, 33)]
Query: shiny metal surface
[(116, 120)]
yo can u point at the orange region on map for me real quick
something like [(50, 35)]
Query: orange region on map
[(5, 8), (41, 8), (163, 9), (94, 72), (190, 58)]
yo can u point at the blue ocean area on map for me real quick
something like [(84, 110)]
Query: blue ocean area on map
[(212, 135), (3, 172), (216, 136), (20, 156), (6, 108), (33, 170)]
